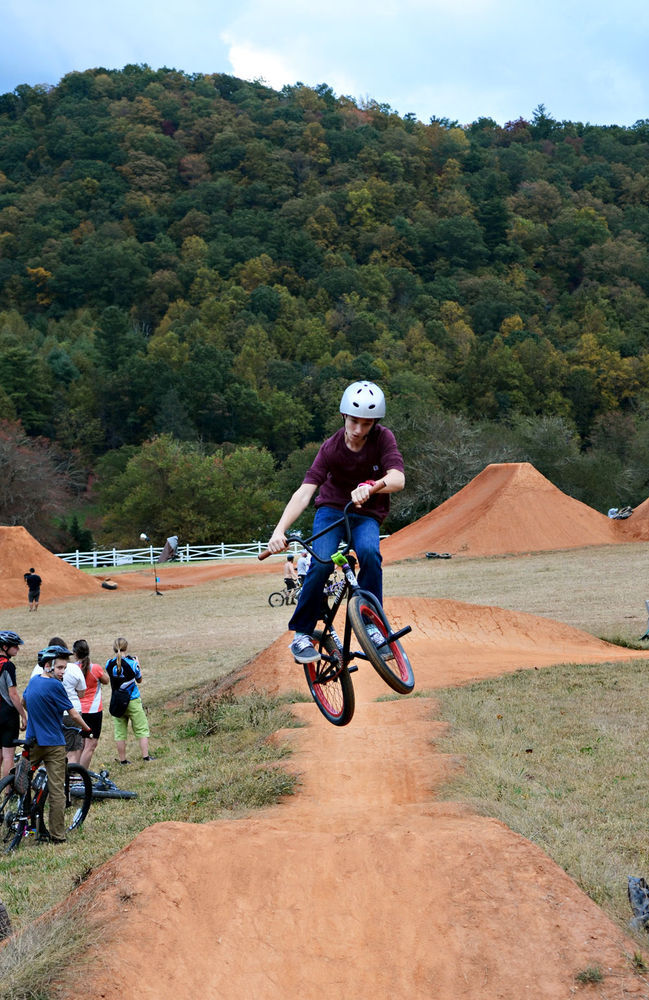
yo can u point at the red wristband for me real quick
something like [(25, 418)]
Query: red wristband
[(367, 482)]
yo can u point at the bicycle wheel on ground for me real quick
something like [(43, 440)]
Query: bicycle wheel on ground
[(364, 610), (330, 684), (14, 815), (78, 795), (104, 788), (276, 600)]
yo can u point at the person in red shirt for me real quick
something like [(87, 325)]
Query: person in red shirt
[(361, 452)]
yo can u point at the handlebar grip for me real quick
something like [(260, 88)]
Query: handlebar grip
[(264, 555)]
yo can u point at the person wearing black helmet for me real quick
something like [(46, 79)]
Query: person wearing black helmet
[(359, 456), (46, 702), (12, 713)]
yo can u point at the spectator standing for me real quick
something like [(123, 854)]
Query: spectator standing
[(302, 566), (12, 713), (46, 701), (124, 671), (75, 685), (91, 700), (33, 581), (290, 573)]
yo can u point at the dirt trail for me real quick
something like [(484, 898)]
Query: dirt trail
[(364, 884)]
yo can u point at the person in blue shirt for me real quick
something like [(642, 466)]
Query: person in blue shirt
[(46, 701)]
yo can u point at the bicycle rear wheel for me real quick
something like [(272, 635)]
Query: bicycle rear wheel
[(14, 814), (364, 610), (104, 788), (330, 684), (78, 795), (276, 600)]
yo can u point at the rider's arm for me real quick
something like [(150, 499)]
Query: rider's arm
[(296, 506)]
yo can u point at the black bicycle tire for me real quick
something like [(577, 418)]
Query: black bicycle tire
[(14, 840), (79, 814), (334, 698), (276, 599), (364, 609), (112, 793)]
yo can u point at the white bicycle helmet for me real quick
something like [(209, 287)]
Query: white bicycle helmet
[(363, 399)]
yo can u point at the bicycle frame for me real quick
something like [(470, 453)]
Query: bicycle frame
[(341, 561)]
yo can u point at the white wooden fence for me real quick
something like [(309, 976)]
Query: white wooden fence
[(150, 553), (186, 553)]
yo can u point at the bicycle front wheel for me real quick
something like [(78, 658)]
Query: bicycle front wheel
[(276, 600), (78, 795), (14, 815), (365, 611), (330, 684)]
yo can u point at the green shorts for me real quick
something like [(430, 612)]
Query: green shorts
[(139, 721)]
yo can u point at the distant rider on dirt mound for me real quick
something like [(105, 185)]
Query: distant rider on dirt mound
[(358, 455)]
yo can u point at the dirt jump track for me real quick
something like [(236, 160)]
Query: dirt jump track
[(364, 884)]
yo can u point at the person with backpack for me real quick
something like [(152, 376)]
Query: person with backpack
[(124, 672), (13, 717)]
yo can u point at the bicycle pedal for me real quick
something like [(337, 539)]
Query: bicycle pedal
[(352, 668)]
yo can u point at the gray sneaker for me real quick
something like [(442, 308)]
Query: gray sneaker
[(378, 639), (303, 649)]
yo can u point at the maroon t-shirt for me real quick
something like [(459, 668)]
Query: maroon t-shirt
[(338, 470)]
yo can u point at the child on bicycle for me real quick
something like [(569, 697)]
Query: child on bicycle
[(357, 457)]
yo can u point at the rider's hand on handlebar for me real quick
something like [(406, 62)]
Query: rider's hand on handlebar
[(362, 493), (277, 542)]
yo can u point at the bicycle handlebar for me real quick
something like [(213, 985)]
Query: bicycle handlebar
[(374, 488)]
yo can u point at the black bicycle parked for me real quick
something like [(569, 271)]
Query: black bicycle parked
[(329, 678), (23, 795)]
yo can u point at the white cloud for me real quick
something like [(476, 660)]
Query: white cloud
[(252, 62)]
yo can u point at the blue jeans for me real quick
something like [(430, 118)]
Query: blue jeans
[(365, 542)]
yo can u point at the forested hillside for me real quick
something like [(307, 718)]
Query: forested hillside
[(193, 267)]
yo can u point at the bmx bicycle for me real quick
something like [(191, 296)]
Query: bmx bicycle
[(284, 596), (23, 795), (329, 678)]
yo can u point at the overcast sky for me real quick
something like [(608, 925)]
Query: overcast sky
[(585, 60)]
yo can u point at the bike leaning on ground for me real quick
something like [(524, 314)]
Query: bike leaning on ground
[(23, 796), (329, 678)]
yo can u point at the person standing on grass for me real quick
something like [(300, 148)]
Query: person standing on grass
[(46, 702), (12, 712), (123, 671), (361, 455), (302, 567), (75, 685), (33, 581), (91, 702)]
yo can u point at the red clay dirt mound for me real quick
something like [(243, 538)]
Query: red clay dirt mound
[(636, 527), (364, 884), (452, 643), (508, 507), (19, 551)]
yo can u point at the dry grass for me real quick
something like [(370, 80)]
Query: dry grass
[(600, 589)]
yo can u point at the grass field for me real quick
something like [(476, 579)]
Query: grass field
[(191, 637)]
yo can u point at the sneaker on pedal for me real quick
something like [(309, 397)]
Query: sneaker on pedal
[(378, 639), (303, 649)]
